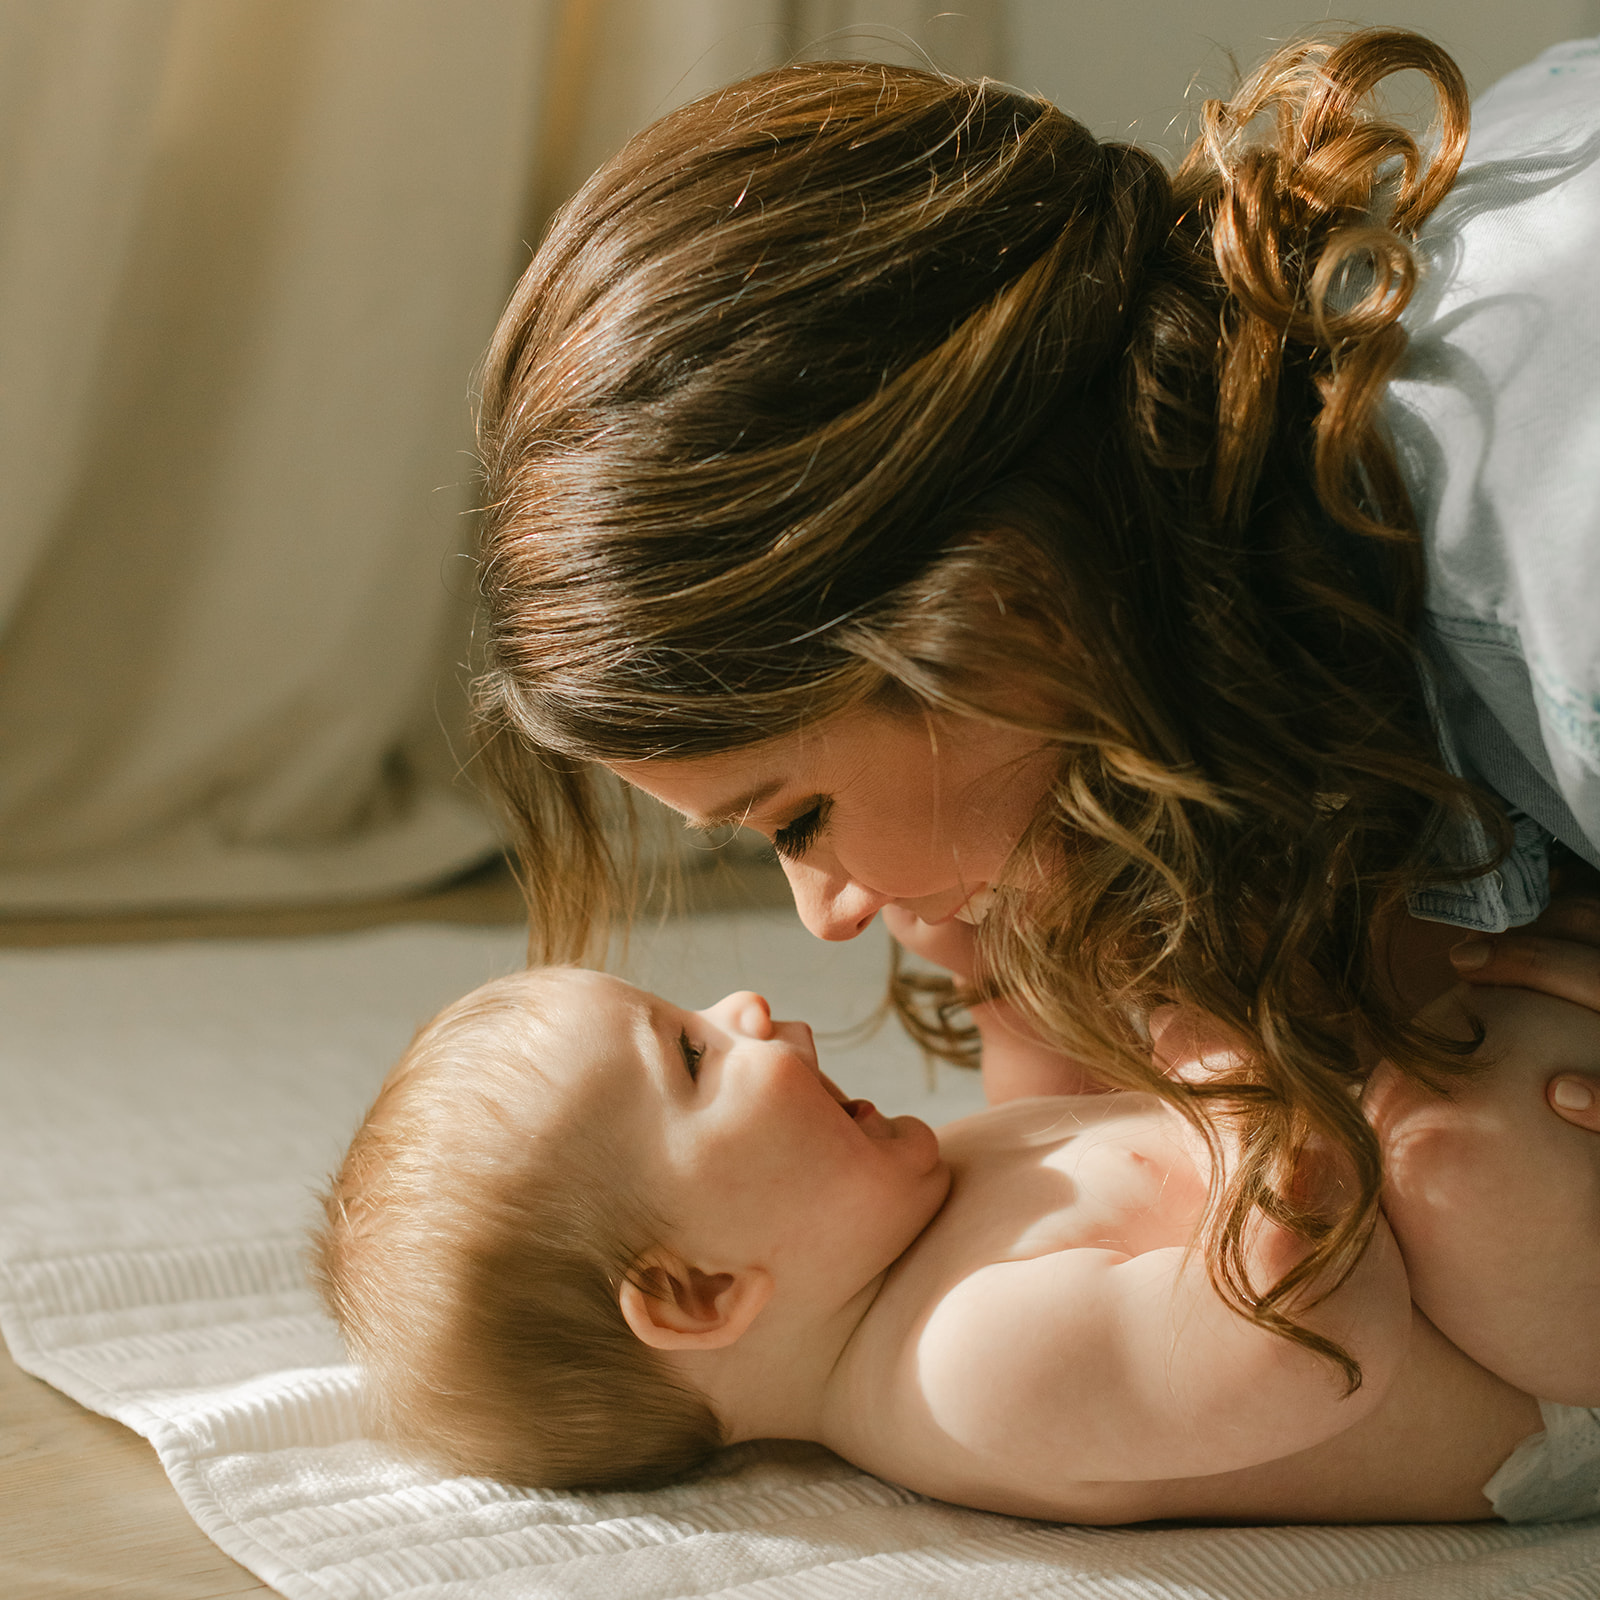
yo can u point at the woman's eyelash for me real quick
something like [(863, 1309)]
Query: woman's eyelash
[(793, 839), (693, 1054)]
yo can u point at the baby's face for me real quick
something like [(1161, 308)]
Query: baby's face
[(746, 1152)]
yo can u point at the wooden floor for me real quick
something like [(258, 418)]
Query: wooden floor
[(85, 1508)]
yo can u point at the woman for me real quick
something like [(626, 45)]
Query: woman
[(1008, 530)]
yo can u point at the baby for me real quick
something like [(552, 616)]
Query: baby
[(585, 1236)]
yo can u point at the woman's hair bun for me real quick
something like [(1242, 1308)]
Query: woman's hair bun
[(1311, 200)]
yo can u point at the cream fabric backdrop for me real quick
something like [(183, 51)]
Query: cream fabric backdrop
[(250, 251)]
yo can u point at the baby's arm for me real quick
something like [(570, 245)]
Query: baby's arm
[(1132, 1368), (1016, 1061), (1494, 1201)]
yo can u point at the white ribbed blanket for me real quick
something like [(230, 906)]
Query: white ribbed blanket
[(164, 1115)]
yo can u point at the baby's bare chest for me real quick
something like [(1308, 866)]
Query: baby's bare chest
[(1074, 1176)]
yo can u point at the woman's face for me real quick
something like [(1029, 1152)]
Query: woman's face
[(871, 809)]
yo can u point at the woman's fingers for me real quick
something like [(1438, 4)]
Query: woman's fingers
[(1574, 916), (1575, 1098), (1559, 967), (1562, 958)]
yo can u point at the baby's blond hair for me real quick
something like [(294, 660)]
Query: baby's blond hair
[(476, 1236)]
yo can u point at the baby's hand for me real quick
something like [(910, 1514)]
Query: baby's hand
[(1558, 955)]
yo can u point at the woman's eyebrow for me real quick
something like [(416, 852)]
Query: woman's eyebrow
[(732, 814)]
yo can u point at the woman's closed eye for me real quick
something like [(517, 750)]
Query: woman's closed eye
[(793, 839), (693, 1054)]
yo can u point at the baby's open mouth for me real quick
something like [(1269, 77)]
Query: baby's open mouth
[(856, 1110), (860, 1110)]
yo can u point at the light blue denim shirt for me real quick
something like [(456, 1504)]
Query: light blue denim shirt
[(1496, 421)]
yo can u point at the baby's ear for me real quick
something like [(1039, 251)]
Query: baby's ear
[(671, 1305)]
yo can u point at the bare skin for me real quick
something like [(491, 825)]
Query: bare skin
[(1028, 1330), (1464, 1175), (1500, 1316), (1559, 955), (1017, 1063), (916, 816), (1049, 1347), (1044, 1339)]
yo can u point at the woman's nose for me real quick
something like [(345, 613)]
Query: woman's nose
[(832, 906)]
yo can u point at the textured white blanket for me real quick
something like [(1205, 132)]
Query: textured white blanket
[(164, 1116)]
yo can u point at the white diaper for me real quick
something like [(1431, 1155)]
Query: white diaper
[(1554, 1475)]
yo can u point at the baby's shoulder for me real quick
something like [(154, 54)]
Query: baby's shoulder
[(1035, 1178), (1040, 1122)]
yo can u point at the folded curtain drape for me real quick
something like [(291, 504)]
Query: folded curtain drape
[(250, 251)]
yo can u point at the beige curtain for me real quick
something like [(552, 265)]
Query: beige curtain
[(617, 64), (250, 251)]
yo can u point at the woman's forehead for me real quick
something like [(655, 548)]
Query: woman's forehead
[(878, 748), (722, 790)]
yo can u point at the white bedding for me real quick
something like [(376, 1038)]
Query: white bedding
[(164, 1115)]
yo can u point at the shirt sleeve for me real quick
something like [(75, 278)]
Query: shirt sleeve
[(1496, 421)]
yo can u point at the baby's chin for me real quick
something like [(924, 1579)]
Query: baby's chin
[(876, 1125), (924, 1156), (914, 1129)]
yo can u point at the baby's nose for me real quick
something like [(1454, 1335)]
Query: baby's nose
[(749, 1014)]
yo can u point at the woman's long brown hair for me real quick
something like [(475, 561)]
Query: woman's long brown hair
[(853, 382)]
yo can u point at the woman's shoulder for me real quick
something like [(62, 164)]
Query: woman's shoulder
[(1548, 104), (1514, 240), (1494, 414)]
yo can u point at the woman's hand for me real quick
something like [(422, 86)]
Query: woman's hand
[(1558, 955), (1576, 1099)]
